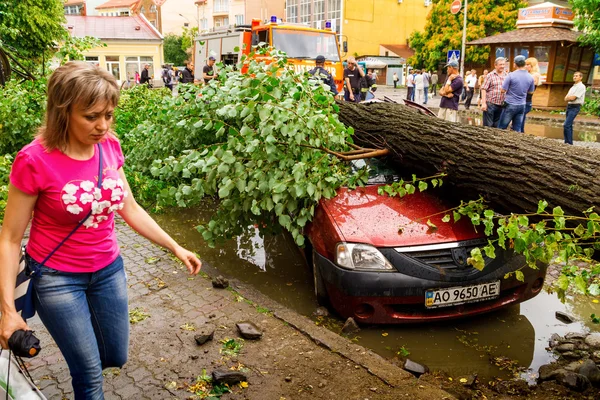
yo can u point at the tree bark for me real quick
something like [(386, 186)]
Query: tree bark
[(513, 171)]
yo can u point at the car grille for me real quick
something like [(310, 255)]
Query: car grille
[(449, 257)]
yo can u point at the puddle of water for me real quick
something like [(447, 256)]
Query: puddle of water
[(276, 267), (548, 131)]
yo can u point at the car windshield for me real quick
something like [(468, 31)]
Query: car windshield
[(381, 170), (303, 44)]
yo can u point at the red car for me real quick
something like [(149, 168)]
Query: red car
[(375, 259)]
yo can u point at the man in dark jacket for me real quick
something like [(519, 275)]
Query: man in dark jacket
[(145, 78), (187, 75), (321, 73)]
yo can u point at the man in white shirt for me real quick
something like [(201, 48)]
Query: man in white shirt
[(574, 100), (470, 87)]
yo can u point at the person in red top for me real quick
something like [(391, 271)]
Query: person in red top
[(71, 179), (492, 96)]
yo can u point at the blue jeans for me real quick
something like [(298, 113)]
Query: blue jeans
[(514, 113), (572, 111), (491, 117), (528, 107), (426, 90), (87, 316), (347, 96)]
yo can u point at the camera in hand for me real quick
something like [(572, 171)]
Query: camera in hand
[(24, 344)]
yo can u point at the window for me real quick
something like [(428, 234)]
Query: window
[(292, 10), (573, 63), (112, 65), (221, 22), (304, 45), (153, 8), (541, 53), (221, 6), (136, 64), (586, 63), (72, 10), (305, 13), (501, 52), (522, 51), (204, 24), (93, 60), (319, 14), (560, 63), (334, 14), (239, 19)]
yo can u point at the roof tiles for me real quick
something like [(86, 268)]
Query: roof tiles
[(127, 28), (526, 35)]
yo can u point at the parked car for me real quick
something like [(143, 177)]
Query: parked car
[(375, 259)]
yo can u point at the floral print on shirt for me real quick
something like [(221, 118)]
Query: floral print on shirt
[(103, 200)]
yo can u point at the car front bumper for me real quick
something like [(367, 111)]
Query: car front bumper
[(393, 297)]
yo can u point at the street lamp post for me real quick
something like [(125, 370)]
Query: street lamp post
[(464, 41)]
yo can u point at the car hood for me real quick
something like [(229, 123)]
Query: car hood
[(363, 216)]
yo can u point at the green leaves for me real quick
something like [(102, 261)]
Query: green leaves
[(255, 145)]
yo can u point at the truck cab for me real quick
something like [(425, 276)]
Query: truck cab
[(301, 43)]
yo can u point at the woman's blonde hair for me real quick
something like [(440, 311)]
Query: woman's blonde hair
[(534, 64), (79, 83)]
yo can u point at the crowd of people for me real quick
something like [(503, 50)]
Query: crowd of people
[(504, 98)]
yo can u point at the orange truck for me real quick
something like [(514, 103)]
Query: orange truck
[(301, 43)]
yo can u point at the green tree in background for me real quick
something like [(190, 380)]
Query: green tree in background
[(443, 30), (173, 47), (588, 21), (32, 27), (187, 39)]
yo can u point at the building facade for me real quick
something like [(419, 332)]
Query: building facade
[(131, 42), (362, 25), (220, 14)]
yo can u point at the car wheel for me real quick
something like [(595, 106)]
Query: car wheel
[(320, 291)]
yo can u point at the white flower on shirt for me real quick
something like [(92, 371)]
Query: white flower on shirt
[(121, 205), (87, 185), (109, 183), (89, 223), (74, 209), (97, 193), (99, 206), (70, 188), (116, 194), (101, 218), (113, 208), (68, 198), (120, 182), (86, 198)]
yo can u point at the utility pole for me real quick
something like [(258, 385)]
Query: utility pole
[(464, 41)]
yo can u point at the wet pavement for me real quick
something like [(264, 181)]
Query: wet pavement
[(276, 267), (294, 359)]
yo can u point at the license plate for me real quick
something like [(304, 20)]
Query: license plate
[(461, 294)]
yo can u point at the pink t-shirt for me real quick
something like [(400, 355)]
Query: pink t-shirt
[(66, 190)]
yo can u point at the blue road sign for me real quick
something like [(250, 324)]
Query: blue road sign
[(453, 55)]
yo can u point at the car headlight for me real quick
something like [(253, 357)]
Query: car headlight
[(361, 256)]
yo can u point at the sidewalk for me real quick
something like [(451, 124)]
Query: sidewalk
[(294, 359)]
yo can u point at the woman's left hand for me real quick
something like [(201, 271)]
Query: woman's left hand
[(190, 260)]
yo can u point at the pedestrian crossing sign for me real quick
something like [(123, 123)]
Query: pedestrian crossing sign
[(453, 55)]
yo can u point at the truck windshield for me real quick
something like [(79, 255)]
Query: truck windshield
[(304, 44)]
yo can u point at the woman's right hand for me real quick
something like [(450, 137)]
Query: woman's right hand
[(9, 323)]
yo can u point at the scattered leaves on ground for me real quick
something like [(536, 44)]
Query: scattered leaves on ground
[(137, 315)]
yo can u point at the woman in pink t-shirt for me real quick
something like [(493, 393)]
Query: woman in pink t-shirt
[(81, 291)]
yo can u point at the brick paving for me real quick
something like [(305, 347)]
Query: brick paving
[(289, 362)]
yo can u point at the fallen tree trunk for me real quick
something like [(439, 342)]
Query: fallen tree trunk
[(511, 170)]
